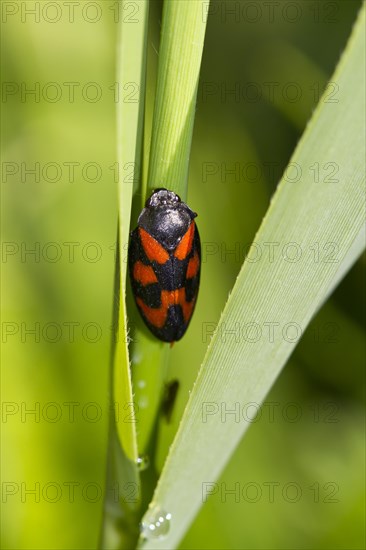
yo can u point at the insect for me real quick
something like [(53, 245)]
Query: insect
[(164, 264)]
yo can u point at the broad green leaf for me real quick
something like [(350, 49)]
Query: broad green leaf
[(315, 222)]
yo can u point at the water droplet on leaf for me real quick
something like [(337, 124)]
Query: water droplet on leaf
[(143, 462), (156, 523)]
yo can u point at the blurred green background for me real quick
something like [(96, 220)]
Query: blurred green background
[(298, 477)]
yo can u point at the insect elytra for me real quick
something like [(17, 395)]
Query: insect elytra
[(164, 264)]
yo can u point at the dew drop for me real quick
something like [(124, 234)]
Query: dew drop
[(143, 402), (156, 523), (137, 357), (143, 462)]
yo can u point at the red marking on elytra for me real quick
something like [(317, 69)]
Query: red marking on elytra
[(153, 250), (185, 245), (157, 315), (193, 266), (144, 274)]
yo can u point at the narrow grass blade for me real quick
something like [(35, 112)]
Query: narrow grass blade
[(316, 224), (130, 75), (122, 499), (182, 39)]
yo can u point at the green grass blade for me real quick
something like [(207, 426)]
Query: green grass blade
[(275, 292), (119, 529), (131, 73), (182, 39)]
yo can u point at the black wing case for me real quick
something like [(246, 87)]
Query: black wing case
[(170, 276)]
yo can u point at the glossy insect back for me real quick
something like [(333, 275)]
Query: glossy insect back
[(164, 264)]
